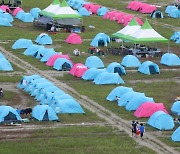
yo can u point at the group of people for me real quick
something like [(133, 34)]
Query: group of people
[(76, 52), (137, 129)]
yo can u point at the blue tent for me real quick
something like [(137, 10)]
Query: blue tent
[(44, 113), (135, 102), (83, 11), (170, 59), (41, 52), (43, 39), (170, 8), (92, 73), (67, 106), (35, 12), (118, 91), (176, 135), (27, 17), (31, 50), (175, 36), (20, 14), (115, 67), (8, 114), (25, 79), (5, 65), (6, 16), (102, 11), (175, 109), (62, 64), (47, 55), (178, 41), (60, 97), (161, 121), (1, 10), (94, 61), (130, 61), (149, 68), (175, 13), (101, 39), (2, 56), (125, 98), (108, 78), (156, 14), (22, 43), (4, 22)]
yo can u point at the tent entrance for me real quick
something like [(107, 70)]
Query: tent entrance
[(10, 117), (46, 117), (101, 43), (66, 67), (118, 70), (152, 70)]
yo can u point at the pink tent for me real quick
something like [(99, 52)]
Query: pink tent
[(88, 6), (95, 8), (5, 8), (108, 14), (78, 70), (127, 19), (148, 108), (16, 10), (119, 15), (52, 59), (74, 38), (124, 18), (137, 6), (140, 22), (148, 9), (113, 15), (131, 4)]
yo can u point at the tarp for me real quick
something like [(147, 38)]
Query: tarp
[(145, 34), (130, 61), (52, 59), (58, 11), (44, 113), (135, 102), (94, 61), (176, 135), (7, 113), (74, 38), (175, 109), (115, 67), (161, 121), (5, 65), (59, 62), (78, 70), (170, 59), (43, 39), (69, 106), (149, 68), (118, 91), (148, 108), (22, 43), (108, 78), (125, 98)]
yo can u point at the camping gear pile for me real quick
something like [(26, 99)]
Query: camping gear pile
[(176, 37), (173, 11), (5, 65), (49, 97)]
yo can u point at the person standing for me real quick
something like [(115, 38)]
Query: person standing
[(142, 130), (133, 128)]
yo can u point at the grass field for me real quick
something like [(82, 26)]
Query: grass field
[(89, 139)]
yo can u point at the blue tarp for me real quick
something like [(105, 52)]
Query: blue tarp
[(115, 67), (59, 63), (176, 135), (83, 11), (35, 12), (31, 50), (100, 39), (102, 11), (161, 121), (175, 109), (149, 68), (130, 61), (170, 59), (92, 73), (43, 39), (5, 111), (94, 61), (47, 55), (124, 100), (5, 65), (44, 113), (108, 78), (135, 102), (67, 106), (4, 22), (22, 43), (118, 91)]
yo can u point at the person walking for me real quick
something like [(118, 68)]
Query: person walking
[(133, 128), (142, 130)]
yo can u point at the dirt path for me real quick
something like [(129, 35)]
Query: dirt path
[(111, 118)]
